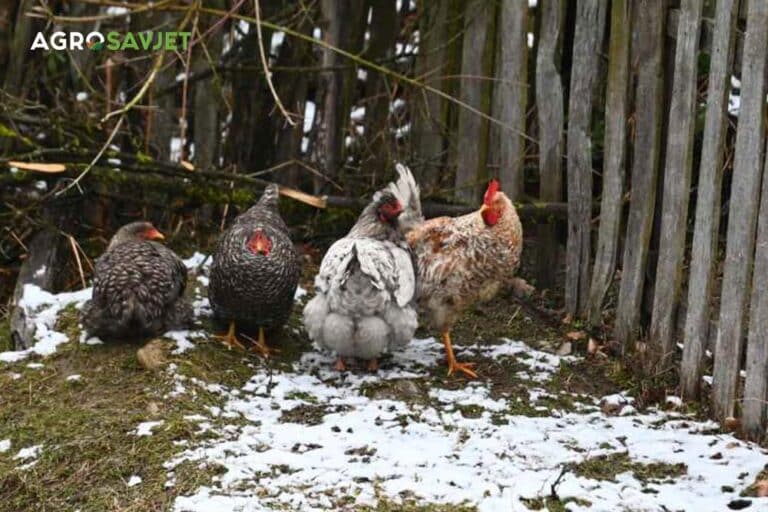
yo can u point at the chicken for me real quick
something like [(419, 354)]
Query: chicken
[(255, 273), (466, 259), (365, 302), (138, 287)]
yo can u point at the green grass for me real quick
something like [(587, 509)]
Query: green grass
[(606, 467)]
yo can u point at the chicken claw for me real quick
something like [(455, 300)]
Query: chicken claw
[(230, 339), (260, 346), (453, 364)]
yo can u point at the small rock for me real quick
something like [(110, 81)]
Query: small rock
[(152, 355), (731, 424), (565, 349)]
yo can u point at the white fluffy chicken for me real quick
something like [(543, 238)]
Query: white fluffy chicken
[(365, 302)]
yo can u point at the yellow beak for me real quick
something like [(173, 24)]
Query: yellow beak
[(155, 235)]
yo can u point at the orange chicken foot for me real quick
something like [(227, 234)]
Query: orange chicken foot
[(453, 364)]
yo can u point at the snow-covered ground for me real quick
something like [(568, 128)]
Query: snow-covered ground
[(305, 437)]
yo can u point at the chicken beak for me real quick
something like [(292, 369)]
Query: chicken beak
[(154, 234), (484, 207)]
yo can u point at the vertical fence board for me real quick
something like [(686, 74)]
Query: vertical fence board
[(756, 385), (343, 19), (471, 145), (615, 154), (745, 190), (384, 29), (677, 182), (511, 93), (648, 47), (590, 24), (549, 108), (704, 251), (429, 109)]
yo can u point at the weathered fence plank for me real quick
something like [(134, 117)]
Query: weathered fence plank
[(472, 133), (343, 18), (590, 24), (614, 159), (549, 108), (647, 57), (704, 251), (756, 385), (510, 93), (384, 29), (677, 183), (742, 218), (430, 111)]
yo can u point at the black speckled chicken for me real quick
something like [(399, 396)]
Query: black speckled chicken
[(138, 287), (255, 273)]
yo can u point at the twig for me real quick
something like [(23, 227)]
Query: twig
[(139, 95), (77, 259), (98, 156), (267, 72), (553, 487)]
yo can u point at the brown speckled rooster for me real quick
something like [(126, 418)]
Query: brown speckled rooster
[(465, 259), (255, 273), (138, 287)]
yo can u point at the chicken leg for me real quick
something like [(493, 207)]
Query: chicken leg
[(453, 364), (230, 339), (260, 344)]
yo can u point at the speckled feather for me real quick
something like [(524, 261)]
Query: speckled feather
[(461, 261), (137, 292), (255, 290)]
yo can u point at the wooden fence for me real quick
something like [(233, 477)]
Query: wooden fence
[(628, 107), (624, 109)]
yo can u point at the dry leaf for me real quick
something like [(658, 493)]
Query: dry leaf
[(187, 165), (565, 349), (38, 167), (576, 335), (592, 346), (568, 318)]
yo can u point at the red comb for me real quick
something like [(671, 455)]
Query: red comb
[(493, 187)]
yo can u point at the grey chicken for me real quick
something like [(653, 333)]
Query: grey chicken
[(138, 287), (364, 304), (255, 273)]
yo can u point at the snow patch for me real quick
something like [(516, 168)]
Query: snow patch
[(146, 428)]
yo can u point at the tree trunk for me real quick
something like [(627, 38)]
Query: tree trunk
[(705, 235), (742, 218), (550, 110), (648, 54), (614, 160), (677, 184), (590, 24)]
